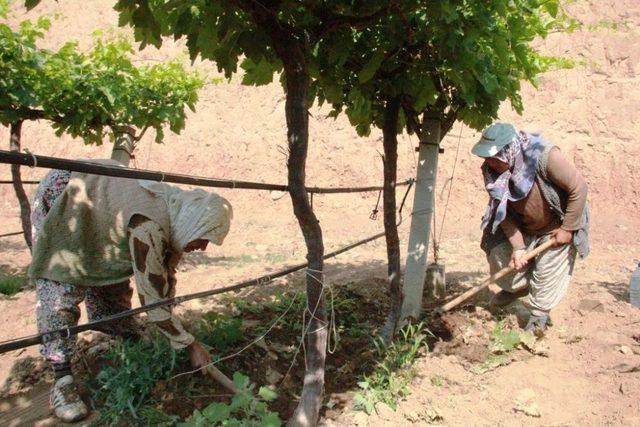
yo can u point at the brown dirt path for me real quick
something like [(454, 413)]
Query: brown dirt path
[(583, 381)]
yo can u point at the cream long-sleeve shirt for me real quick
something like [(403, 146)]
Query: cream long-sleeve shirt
[(153, 269)]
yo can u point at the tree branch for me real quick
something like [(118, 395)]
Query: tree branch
[(28, 114)]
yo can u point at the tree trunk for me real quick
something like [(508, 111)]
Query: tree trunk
[(306, 414), (23, 200), (124, 144), (290, 46), (390, 143)]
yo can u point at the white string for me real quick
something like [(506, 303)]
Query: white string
[(306, 327), (245, 347), (333, 330), (304, 333), (33, 157)]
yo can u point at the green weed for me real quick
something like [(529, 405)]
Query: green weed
[(349, 318), (11, 285), (219, 331), (554, 63), (244, 259), (282, 301), (503, 339), (608, 25), (246, 408), (437, 381), (122, 389), (294, 302), (389, 382), (275, 258), (155, 417), (502, 342)]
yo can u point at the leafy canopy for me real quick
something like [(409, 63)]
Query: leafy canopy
[(456, 58), (84, 94), (20, 65), (219, 31)]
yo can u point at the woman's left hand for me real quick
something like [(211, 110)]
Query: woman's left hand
[(562, 237)]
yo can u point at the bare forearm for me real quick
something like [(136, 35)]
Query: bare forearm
[(513, 233)]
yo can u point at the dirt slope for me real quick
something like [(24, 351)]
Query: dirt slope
[(239, 132), (591, 111)]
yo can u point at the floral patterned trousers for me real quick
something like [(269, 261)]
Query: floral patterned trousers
[(58, 304)]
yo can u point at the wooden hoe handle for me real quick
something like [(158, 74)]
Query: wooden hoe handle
[(500, 274), (221, 378)]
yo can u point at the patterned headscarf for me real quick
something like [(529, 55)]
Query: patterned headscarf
[(515, 183), (194, 214)]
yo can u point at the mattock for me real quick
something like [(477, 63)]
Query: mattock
[(500, 274)]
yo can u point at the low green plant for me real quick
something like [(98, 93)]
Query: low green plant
[(245, 409), (243, 306), (502, 342), (243, 260), (295, 303), (279, 305), (553, 63), (11, 285), (219, 331), (394, 372), (503, 339), (156, 417), (437, 381), (122, 389), (349, 318), (608, 25)]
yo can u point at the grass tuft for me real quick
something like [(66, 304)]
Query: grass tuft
[(11, 285)]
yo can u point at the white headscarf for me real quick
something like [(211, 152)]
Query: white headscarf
[(194, 214)]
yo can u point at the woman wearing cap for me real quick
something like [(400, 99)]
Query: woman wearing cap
[(91, 234), (534, 194)]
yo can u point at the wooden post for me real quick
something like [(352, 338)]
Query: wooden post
[(416, 264)]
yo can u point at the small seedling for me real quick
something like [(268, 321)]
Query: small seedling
[(394, 372), (502, 342), (437, 381), (246, 408)]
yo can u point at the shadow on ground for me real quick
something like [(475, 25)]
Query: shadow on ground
[(269, 350), (619, 290), (13, 244)]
